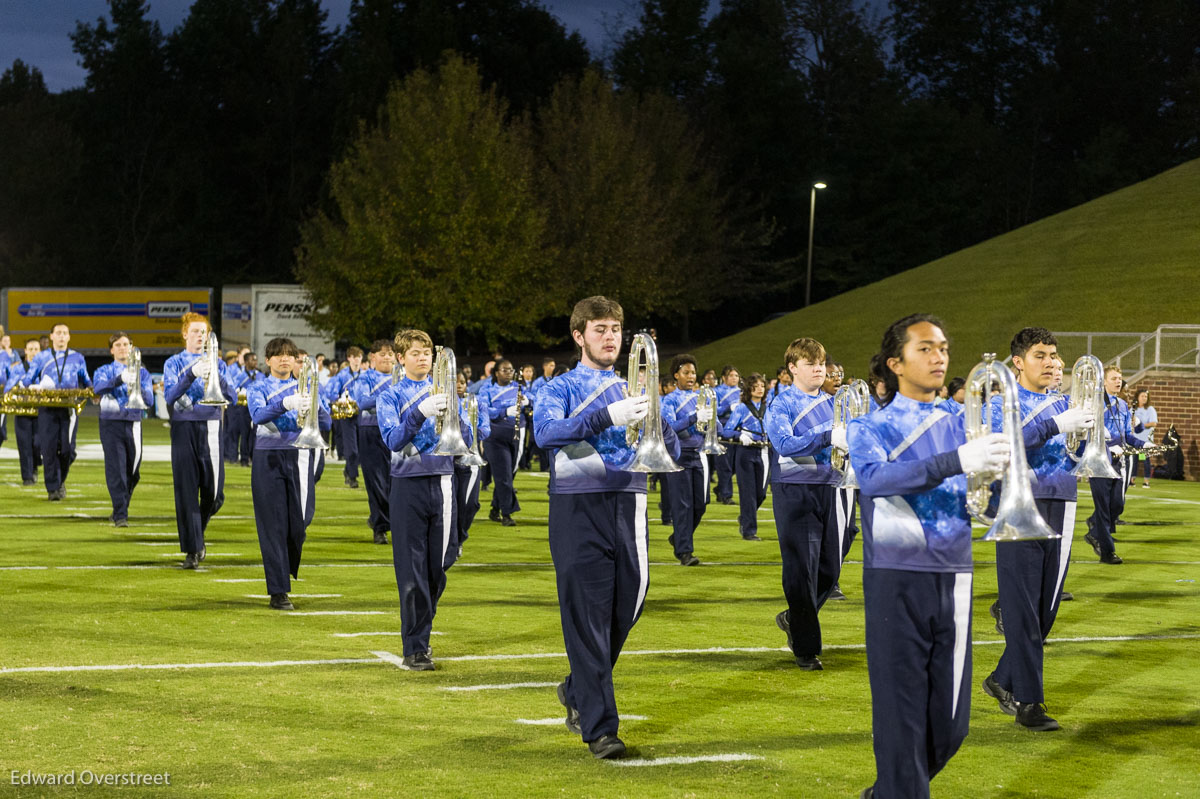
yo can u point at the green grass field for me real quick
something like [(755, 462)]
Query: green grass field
[(705, 666), (1124, 262)]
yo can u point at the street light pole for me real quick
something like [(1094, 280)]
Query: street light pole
[(812, 215)]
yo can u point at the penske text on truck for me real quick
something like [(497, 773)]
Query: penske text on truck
[(150, 316), (253, 315)]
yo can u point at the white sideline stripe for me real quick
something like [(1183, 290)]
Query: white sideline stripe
[(363, 635), (157, 543), (244, 580), (209, 555), (388, 657), (559, 720), (146, 533), (300, 596), (499, 687), (683, 761), (339, 612), (244, 664)]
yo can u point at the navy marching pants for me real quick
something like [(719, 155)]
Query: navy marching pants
[(56, 440), (466, 494), (283, 486), (244, 449), (725, 469), (664, 499), (122, 444), (229, 435), (28, 448), (750, 466), (1108, 496), (501, 453), (688, 497), (199, 476), (348, 435), (810, 530), (1030, 575), (423, 525), (376, 462), (918, 630), (846, 498), (599, 545)]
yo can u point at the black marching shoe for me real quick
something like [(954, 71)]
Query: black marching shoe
[(868, 793), (688, 559), (993, 689), (995, 611), (1066, 596), (1114, 559), (1095, 542), (784, 623), (418, 661), (507, 521), (572, 713), (189, 561), (381, 538), (1032, 716), (351, 482), (809, 663), (281, 602), (494, 515), (607, 747), (201, 554), (53, 496), (29, 483), (120, 523), (836, 594), (751, 537)]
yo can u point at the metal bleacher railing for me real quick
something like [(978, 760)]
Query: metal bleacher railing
[(1170, 347)]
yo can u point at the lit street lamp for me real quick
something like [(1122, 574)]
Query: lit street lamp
[(812, 215)]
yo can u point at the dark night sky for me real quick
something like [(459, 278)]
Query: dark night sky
[(36, 31)]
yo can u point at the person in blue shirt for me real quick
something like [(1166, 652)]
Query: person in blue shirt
[(1030, 574), (283, 478), (343, 383), (751, 457), (1108, 495), (196, 464), (598, 537), (421, 500), (729, 393), (548, 367), (25, 427), (687, 489), (910, 459), (808, 518), (246, 435), (232, 428), (503, 446), (955, 396), (120, 427), (57, 368), (373, 454)]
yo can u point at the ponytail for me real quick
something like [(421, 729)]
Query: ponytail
[(892, 346)]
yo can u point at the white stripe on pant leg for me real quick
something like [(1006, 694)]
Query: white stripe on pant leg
[(471, 481), (71, 425), (703, 498), (520, 452), (137, 446), (1064, 545), (839, 500), (214, 452), (641, 536), (447, 484), (766, 467), (962, 624), (303, 464)]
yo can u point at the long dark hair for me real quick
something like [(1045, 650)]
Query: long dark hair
[(892, 346), (748, 386)]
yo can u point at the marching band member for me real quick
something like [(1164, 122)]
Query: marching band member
[(502, 448), (799, 424), (25, 427), (598, 536), (196, 463), (728, 393), (421, 500), (1030, 574), (1108, 495), (834, 376), (283, 479), (247, 430), (525, 378), (342, 383), (57, 368), (120, 427), (783, 379), (687, 490), (466, 487), (909, 458), (373, 455), (1147, 419), (548, 367), (956, 393), (235, 376), (750, 454), (666, 385)]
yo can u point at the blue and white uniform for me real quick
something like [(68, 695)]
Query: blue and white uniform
[(121, 432), (727, 398), (1108, 495), (57, 426), (347, 429), (236, 376), (535, 388), (373, 454), (424, 517), (809, 520), (916, 588), (949, 405), (505, 443), (25, 428), (466, 487), (196, 463), (687, 490), (751, 464), (598, 537), (283, 478)]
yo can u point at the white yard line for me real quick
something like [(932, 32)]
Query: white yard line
[(559, 720), (339, 612), (294, 596), (683, 761), (508, 686), (369, 635)]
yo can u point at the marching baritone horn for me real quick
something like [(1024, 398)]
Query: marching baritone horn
[(212, 384), (1087, 391), (445, 382), (645, 436), (1017, 518), (308, 385), (711, 428), (849, 402), (475, 456), (135, 402)]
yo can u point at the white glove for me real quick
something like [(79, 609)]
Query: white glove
[(295, 402), (746, 438), (512, 412), (201, 368), (704, 415), (987, 454), (46, 382), (838, 436), (632, 409), (1075, 420), (1116, 452), (432, 405), (128, 378), (524, 401)]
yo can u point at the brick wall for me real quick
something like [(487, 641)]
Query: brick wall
[(1176, 397)]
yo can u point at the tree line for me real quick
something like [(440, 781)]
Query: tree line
[(478, 156)]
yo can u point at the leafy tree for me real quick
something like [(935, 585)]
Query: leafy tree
[(667, 51), (433, 220)]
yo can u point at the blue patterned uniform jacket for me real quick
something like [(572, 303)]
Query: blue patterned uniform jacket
[(1118, 423), (11, 374), (340, 383), (799, 426), (1045, 447), (947, 405), (913, 491), (182, 391), (411, 436), (64, 369), (366, 391), (679, 411), (587, 453), (494, 401), (742, 419), (114, 394), (277, 427), (727, 397)]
